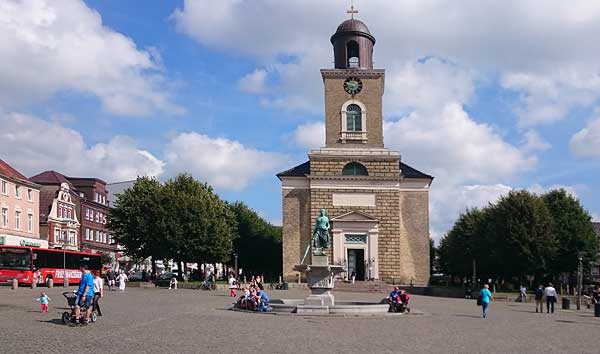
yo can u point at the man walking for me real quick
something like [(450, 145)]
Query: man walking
[(551, 298), (539, 296), (85, 294)]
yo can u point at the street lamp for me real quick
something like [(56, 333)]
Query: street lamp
[(235, 257), (579, 281)]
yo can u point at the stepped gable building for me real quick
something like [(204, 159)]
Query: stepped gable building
[(19, 209), (59, 224), (378, 205)]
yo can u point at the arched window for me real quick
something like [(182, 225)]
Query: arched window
[(353, 118), (354, 169), (353, 54)]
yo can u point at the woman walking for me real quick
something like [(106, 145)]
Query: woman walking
[(486, 296), (98, 292), (122, 278)]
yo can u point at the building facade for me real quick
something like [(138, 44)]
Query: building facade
[(378, 206), (19, 209), (59, 224), (92, 211)]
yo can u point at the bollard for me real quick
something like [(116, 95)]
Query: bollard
[(50, 283), (66, 282), (15, 284), (597, 310), (33, 283)]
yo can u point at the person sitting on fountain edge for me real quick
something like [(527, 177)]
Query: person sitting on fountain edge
[(394, 298), (262, 301)]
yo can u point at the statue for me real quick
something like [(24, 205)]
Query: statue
[(320, 236)]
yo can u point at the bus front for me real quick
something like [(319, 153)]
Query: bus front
[(15, 263)]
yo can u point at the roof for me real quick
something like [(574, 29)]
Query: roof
[(85, 179), (304, 169), (50, 177), (353, 25), (8, 171), (410, 172), (298, 171)]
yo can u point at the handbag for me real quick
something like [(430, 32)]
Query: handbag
[(479, 298)]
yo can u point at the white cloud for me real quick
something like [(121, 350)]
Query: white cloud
[(586, 142), (221, 162), (533, 142), (253, 82), (61, 45), (33, 145), (546, 54), (310, 135)]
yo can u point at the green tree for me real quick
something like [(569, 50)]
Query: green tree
[(259, 243), (573, 230), (521, 231), (462, 244), (202, 227), (138, 221)]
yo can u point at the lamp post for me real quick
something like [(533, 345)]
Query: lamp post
[(579, 281), (235, 266)]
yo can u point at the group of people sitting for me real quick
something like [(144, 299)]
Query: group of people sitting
[(254, 298), (398, 300)]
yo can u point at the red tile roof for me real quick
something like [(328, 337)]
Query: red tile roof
[(50, 177), (8, 171)]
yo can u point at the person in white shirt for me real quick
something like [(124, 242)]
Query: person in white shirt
[(232, 286), (551, 298), (98, 292), (173, 283)]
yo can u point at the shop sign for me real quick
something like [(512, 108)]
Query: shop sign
[(30, 244)]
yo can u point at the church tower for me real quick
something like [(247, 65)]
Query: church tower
[(378, 206)]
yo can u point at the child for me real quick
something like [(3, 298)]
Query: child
[(173, 283), (44, 300)]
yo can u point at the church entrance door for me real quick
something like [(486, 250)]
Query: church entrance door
[(356, 262)]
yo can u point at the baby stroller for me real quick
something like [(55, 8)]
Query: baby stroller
[(69, 317)]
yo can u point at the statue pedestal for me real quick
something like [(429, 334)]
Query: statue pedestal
[(320, 278)]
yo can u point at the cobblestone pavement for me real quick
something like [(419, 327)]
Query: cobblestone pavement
[(190, 321)]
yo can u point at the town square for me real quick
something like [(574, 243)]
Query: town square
[(335, 176)]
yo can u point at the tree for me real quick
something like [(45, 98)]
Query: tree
[(460, 246), (138, 221), (202, 227), (521, 232), (573, 230), (259, 243)]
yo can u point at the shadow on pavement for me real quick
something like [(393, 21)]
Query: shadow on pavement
[(56, 321), (460, 315)]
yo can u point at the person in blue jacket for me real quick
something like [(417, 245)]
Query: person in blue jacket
[(486, 296), (85, 293)]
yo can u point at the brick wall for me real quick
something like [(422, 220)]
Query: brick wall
[(376, 167), (296, 228)]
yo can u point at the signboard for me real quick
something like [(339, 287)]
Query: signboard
[(30, 244)]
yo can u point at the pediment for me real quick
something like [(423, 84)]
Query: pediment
[(354, 216)]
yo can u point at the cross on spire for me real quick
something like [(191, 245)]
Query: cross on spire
[(352, 10)]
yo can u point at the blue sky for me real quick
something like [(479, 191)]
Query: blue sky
[(487, 100)]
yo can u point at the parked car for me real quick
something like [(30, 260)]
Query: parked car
[(136, 276), (164, 279)]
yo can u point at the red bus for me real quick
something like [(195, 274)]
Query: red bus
[(28, 263)]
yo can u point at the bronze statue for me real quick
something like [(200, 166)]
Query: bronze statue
[(320, 236)]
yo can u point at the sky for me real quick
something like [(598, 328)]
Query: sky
[(485, 96)]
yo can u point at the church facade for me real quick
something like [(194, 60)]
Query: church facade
[(378, 206)]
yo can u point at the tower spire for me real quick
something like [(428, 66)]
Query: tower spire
[(352, 10)]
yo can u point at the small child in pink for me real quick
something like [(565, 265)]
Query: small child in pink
[(44, 300)]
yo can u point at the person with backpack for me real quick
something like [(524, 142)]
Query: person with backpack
[(539, 297), (485, 296)]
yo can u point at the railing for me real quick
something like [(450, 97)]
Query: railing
[(347, 137)]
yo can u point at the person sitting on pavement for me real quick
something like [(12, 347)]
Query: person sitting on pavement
[(262, 301), (404, 299), (394, 298)]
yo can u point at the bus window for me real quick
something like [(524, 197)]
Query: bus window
[(14, 258)]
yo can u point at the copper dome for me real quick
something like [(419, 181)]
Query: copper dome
[(353, 25)]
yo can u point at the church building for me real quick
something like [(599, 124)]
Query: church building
[(378, 206)]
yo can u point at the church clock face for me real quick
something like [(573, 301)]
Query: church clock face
[(353, 85)]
